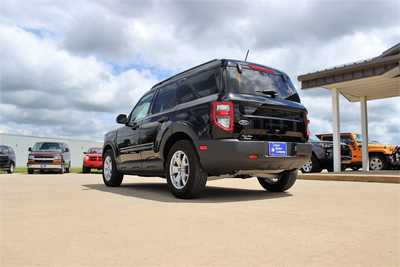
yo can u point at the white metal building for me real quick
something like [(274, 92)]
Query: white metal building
[(21, 143), (375, 78)]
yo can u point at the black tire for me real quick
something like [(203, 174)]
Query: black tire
[(355, 168), (12, 168), (284, 181), (30, 171), (85, 169), (67, 170), (115, 178), (197, 177), (315, 166), (377, 162), (330, 168), (62, 170)]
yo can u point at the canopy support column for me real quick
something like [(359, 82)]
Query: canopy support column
[(336, 130), (364, 131)]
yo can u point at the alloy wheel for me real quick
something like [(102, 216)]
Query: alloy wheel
[(179, 169), (107, 169), (308, 166), (376, 164)]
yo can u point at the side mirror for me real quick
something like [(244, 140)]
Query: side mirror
[(122, 119), (66, 149), (30, 149)]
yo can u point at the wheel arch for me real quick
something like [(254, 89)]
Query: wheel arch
[(108, 146), (171, 140)]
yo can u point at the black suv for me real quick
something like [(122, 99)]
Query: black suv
[(7, 159), (224, 117)]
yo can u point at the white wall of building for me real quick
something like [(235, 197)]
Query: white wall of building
[(21, 143)]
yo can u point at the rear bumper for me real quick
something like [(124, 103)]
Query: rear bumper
[(93, 164), (231, 155), (45, 166)]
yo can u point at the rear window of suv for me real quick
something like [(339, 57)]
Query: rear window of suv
[(255, 81)]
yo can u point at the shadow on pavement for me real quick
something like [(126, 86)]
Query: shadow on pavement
[(212, 194)]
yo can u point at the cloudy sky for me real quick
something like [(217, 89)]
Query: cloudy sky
[(67, 68)]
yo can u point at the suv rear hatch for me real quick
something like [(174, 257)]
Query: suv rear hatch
[(266, 104)]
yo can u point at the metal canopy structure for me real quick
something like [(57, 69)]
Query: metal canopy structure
[(375, 78)]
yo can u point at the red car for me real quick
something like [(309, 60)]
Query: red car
[(92, 159)]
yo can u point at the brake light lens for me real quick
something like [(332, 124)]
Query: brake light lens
[(261, 68), (222, 115)]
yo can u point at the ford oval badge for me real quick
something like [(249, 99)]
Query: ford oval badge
[(244, 122)]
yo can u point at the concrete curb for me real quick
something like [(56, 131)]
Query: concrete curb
[(377, 178)]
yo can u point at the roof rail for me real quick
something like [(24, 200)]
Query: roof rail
[(183, 72)]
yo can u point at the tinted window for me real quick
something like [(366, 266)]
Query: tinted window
[(255, 82), (47, 147), (199, 85), (166, 99), (95, 150), (343, 138), (185, 93), (142, 108), (204, 83)]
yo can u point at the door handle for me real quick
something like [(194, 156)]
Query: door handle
[(163, 119)]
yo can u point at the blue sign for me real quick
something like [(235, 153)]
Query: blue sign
[(277, 149)]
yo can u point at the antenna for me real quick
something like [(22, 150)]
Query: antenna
[(247, 53)]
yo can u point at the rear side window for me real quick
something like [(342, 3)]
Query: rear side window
[(199, 85), (204, 83), (185, 93), (166, 99)]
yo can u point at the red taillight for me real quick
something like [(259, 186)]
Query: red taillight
[(261, 68), (253, 156), (203, 147), (222, 115)]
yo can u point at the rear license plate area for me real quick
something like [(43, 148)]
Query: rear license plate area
[(277, 149)]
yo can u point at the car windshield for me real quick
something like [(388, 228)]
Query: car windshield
[(3, 149), (346, 139), (96, 150), (47, 147), (260, 82)]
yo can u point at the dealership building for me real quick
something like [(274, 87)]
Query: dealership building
[(21, 144)]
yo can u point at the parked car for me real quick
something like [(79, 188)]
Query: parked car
[(7, 159), (379, 154), (93, 159), (49, 156), (395, 158), (322, 156), (224, 117)]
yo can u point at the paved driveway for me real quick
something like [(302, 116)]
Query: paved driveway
[(74, 220)]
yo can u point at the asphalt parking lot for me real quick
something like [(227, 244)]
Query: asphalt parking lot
[(74, 220)]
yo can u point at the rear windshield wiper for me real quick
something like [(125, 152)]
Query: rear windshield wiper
[(270, 93)]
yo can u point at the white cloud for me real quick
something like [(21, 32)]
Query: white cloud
[(43, 85), (58, 59)]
